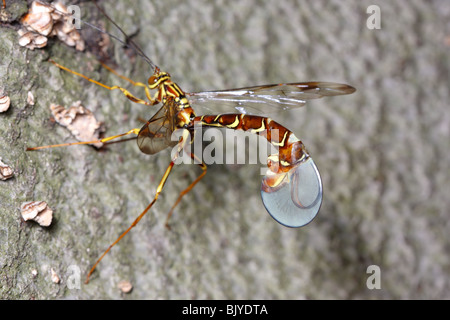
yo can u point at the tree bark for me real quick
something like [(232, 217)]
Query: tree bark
[(382, 153)]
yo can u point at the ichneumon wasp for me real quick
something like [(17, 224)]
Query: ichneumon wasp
[(291, 190)]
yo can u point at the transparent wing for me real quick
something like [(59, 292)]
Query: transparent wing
[(156, 134), (297, 201), (266, 99)]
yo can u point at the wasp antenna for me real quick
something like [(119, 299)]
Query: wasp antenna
[(128, 41)]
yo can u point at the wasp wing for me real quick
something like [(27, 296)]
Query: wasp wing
[(266, 99), (156, 134)]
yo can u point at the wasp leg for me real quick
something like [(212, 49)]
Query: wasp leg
[(181, 145), (134, 83), (189, 188), (135, 222), (124, 91), (135, 131)]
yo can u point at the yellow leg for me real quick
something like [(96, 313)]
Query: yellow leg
[(134, 83), (135, 131), (181, 145), (189, 188), (124, 91), (135, 222)]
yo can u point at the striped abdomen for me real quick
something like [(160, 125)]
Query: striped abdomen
[(291, 149)]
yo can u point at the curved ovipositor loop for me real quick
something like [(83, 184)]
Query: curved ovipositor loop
[(296, 200)]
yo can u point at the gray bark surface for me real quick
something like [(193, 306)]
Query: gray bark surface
[(382, 153)]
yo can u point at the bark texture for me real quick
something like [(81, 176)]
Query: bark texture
[(382, 153)]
